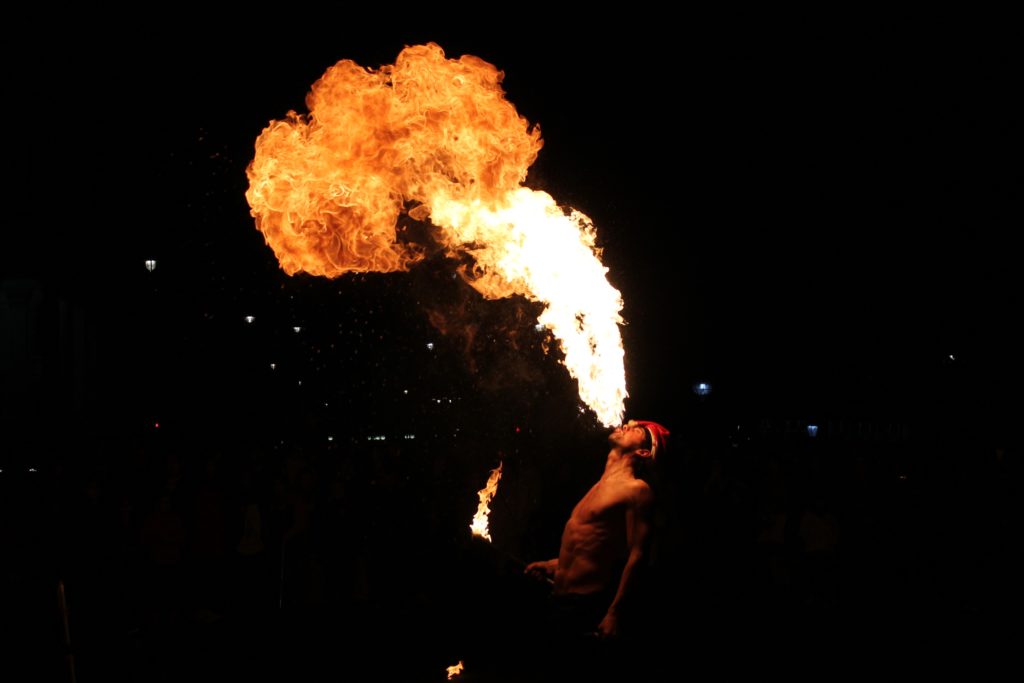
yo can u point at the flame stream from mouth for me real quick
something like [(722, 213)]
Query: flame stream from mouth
[(435, 138)]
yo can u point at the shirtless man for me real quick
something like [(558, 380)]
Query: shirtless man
[(605, 541)]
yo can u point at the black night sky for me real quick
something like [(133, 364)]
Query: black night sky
[(818, 223)]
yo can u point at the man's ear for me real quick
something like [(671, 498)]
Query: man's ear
[(643, 452)]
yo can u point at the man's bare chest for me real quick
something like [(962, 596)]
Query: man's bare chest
[(600, 502)]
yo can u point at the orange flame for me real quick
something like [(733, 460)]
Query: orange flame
[(483, 510), (435, 138), (455, 670)]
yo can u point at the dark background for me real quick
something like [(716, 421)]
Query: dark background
[(814, 218)]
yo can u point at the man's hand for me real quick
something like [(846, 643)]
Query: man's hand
[(542, 570), (609, 626)]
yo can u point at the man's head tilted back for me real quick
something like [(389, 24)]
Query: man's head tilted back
[(657, 436)]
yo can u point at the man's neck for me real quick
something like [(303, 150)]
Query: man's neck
[(618, 463)]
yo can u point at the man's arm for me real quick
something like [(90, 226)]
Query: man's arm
[(638, 531)]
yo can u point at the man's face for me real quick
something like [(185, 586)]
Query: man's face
[(630, 437)]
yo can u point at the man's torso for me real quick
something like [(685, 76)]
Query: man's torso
[(594, 544)]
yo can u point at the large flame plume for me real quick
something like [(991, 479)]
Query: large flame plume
[(479, 527), (435, 138), (455, 670)]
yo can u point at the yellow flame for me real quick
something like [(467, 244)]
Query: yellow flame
[(436, 138), (455, 670), (527, 245), (483, 509)]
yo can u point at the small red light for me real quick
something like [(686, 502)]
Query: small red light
[(517, 430), (156, 425)]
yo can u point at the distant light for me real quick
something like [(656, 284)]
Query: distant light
[(150, 265), (330, 438), (952, 357), (405, 391), (377, 437), (812, 431), (410, 437), (702, 388), (300, 382), (273, 366), (156, 425), (517, 430), (32, 469), (430, 346), (903, 477), (250, 318), (297, 329)]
